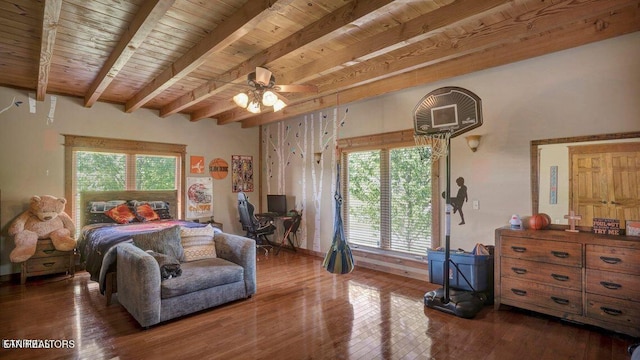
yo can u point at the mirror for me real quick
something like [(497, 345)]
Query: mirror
[(550, 173)]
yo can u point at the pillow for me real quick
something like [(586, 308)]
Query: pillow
[(160, 207), (198, 243), (165, 241), (121, 214), (95, 212), (145, 213)]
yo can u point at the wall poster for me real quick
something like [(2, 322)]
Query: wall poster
[(196, 164), (242, 173), (553, 185), (199, 197)]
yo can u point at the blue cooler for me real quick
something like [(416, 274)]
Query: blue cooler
[(478, 270)]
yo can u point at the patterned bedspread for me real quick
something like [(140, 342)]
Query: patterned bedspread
[(97, 239)]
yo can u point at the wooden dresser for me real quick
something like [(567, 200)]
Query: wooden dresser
[(47, 260), (582, 277)]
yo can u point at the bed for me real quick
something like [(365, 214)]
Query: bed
[(99, 232)]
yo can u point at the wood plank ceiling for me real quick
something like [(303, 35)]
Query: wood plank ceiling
[(192, 56)]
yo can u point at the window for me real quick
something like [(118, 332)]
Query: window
[(388, 197), (99, 164)]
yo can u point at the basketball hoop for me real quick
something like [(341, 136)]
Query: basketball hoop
[(437, 142)]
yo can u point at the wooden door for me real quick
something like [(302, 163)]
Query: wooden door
[(625, 177), (605, 182)]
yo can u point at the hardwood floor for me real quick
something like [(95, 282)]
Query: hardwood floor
[(299, 312)]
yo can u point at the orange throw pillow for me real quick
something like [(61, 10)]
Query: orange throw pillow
[(146, 213), (121, 214)]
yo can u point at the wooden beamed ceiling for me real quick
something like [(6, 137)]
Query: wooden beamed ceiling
[(192, 57)]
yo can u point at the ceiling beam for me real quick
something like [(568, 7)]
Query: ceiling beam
[(399, 36), (144, 22), (49, 28), (539, 17), (607, 25), (326, 25), (232, 29)]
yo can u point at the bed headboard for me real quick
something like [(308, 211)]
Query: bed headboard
[(169, 196)]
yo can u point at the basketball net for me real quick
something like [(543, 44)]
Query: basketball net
[(436, 141)]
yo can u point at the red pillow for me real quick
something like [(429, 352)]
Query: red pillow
[(146, 213), (121, 214)]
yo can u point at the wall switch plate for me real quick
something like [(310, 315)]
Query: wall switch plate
[(476, 205)]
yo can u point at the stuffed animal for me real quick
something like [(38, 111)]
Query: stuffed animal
[(44, 219)]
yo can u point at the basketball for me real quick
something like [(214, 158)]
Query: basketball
[(538, 221), (218, 168)]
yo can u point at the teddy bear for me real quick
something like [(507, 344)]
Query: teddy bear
[(45, 219)]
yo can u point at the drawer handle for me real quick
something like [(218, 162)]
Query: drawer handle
[(610, 260), (49, 264), (49, 251), (519, 271), (560, 301), (560, 277), (610, 285), (519, 292), (560, 254), (610, 311), (519, 249)]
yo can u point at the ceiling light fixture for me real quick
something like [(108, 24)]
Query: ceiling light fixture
[(254, 100), (261, 83)]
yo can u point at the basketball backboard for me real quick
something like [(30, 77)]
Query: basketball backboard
[(448, 109)]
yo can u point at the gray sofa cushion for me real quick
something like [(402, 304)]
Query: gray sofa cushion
[(201, 274), (165, 241)]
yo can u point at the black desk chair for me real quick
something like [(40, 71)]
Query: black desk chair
[(256, 229)]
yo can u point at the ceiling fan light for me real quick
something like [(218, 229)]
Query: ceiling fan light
[(263, 76), (241, 100), (269, 98), (279, 105), (254, 107)]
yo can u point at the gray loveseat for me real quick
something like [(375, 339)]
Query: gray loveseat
[(203, 284)]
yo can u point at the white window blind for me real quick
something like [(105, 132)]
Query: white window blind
[(101, 164), (388, 199)]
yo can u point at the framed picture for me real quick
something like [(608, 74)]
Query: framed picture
[(196, 164), (199, 197), (242, 173), (632, 227), (553, 185)]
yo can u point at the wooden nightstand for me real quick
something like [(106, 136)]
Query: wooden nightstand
[(47, 260)]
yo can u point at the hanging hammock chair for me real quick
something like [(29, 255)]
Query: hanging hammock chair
[(339, 259)]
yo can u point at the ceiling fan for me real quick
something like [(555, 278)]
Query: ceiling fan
[(264, 91)]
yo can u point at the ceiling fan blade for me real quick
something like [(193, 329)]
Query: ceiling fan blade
[(263, 76), (296, 88), (283, 98)]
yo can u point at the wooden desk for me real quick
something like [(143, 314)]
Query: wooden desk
[(283, 233)]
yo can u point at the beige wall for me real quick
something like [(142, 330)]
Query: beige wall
[(31, 151), (587, 90)]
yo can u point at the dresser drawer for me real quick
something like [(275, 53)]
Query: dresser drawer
[(613, 310), (621, 286), (45, 248), (550, 274), (51, 264), (552, 297), (555, 252), (613, 259)]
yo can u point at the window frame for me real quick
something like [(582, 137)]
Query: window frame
[(73, 143), (388, 141)]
